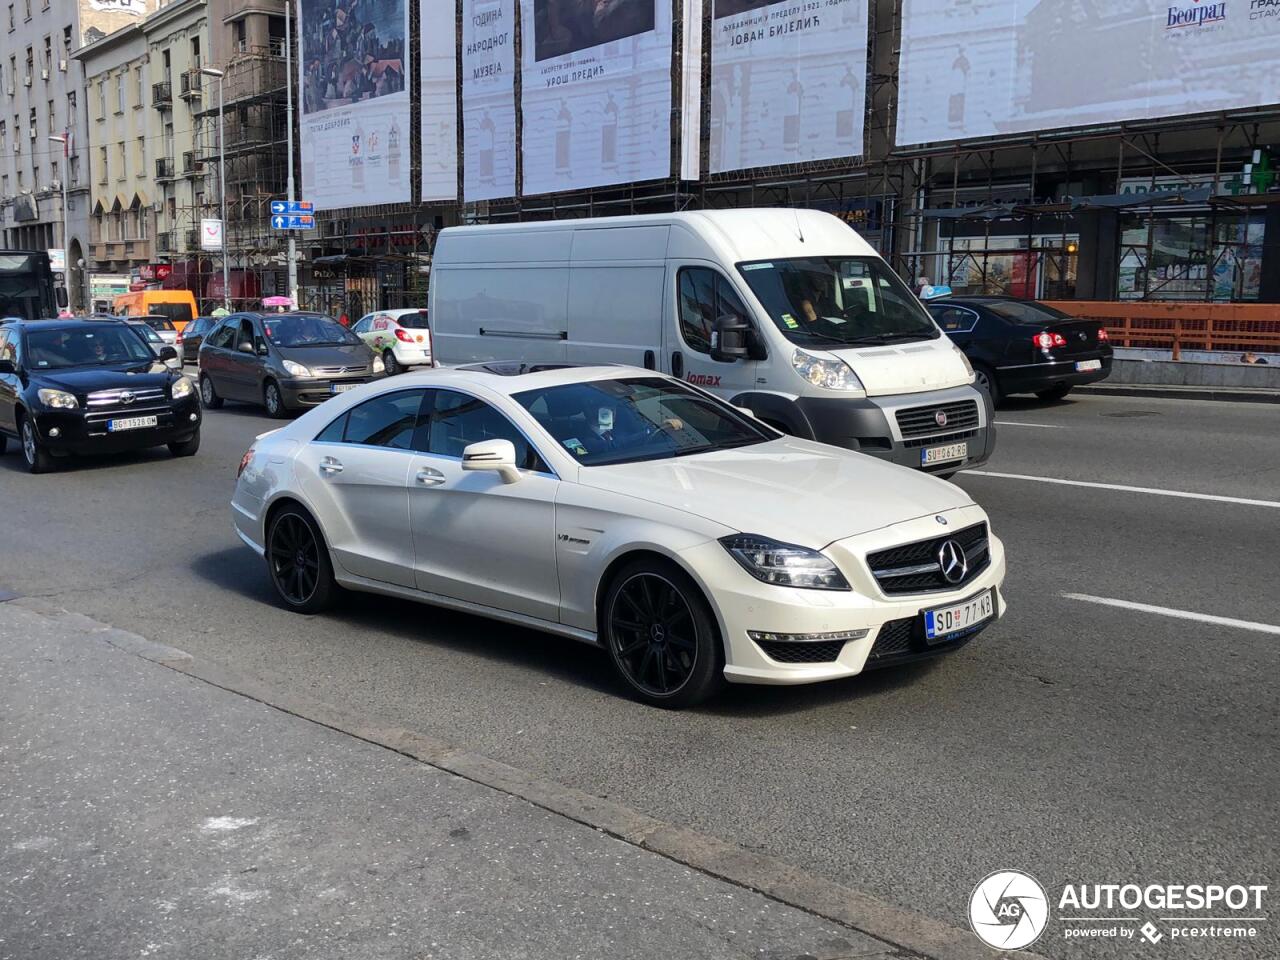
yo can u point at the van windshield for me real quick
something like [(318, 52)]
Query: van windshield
[(850, 301)]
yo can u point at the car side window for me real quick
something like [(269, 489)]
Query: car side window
[(245, 335), (458, 420), (954, 319), (705, 295), (389, 420), (223, 336), (7, 351), (361, 327)]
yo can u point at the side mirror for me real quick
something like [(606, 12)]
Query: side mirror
[(60, 295), (745, 411), (729, 339), (167, 353), (246, 348), (6, 366), (499, 455)]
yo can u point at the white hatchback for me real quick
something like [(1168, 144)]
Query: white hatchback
[(401, 338), (625, 509)]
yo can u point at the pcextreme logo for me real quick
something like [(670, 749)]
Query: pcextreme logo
[(1009, 910)]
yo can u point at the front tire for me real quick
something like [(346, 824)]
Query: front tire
[(661, 635), (298, 562), (209, 398), (273, 400), (1055, 393), (186, 448), (38, 459), (390, 364)]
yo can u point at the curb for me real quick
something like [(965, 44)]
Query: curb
[(910, 934), (1227, 394)]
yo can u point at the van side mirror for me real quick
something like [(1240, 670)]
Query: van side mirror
[(729, 338), (168, 353), (60, 295), (499, 455)]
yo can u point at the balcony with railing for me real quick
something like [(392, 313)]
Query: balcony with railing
[(162, 95), (164, 168), (190, 164), (190, 85)]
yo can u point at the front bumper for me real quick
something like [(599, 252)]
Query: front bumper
[(1034, 377), (868, 426), (71, 432), (312, 393), (742, 604)]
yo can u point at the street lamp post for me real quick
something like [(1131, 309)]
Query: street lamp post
[(288, 69), (66, 221), (222, 186)]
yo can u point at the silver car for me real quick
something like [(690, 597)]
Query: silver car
[(156, 339)]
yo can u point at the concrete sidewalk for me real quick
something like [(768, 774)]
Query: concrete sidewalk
[(144, 813)]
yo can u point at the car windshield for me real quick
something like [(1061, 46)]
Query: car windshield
[(413, 321), (838, 300), (643, 418), (1023, 311), (85, 346), (307, 330)]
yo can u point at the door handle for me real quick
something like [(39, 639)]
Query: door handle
[(330, 466), (649, 362), (430, 477), (677, 365)]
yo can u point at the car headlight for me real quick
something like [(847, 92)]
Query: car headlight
[(296, 369), (968, 367), (58, 399), (784, 564), (379, 366), (181, 388), (830, 374)]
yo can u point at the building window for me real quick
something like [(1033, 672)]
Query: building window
[(139, 98), (195, 53), (102, 99), (124, 161), (66, 42), (102, 164), (48, 54), (53, 170), (75, 170), (120, 101), (4, 137), (12, 25), (31, 64), (4, 186), (27, 7), (142, 156)]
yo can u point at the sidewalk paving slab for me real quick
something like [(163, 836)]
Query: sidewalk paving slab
[(144, 813)]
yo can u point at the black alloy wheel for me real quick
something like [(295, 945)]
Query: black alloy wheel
[(661, 635), (299, 562)]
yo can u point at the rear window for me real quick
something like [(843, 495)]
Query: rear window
[(176, 312), (159, 323), (1025, 311), (414, 321)]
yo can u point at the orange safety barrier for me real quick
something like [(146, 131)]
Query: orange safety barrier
[(1224, 327)]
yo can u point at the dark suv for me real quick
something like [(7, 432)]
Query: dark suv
[(284, 361)]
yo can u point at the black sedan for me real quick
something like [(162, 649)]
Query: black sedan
[(192, 335), (70, 387), (1021, 346)]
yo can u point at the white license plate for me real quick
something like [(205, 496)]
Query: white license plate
[(130, 423), (952, 451), (1084, 366), (945, 621), (342, 387)]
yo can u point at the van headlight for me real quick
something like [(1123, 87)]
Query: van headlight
[(181, 388), (297, 370), (968, 367), (829, 374), (784, 564), (58, 399)]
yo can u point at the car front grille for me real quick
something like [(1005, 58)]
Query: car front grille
[(903, 640), (356, 371), (788, 652), (924, 421), (112, 402), (916, 567), (941, 438)]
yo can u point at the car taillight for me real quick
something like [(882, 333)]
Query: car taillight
[(178, 341), (403, 336), (244, 462), (1103, 336), (1047, 341)]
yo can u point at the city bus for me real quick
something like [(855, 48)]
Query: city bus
[(26, 286)]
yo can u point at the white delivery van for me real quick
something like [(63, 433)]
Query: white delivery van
[(788, 313)]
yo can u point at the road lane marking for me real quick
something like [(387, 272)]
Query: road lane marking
[(1124, 488), (1177, 614), (1021, 423)]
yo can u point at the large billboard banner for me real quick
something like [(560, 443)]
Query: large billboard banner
[(596, 95), (488, 99), (788, 81), (353, 68), (439, 44), (992, 67)]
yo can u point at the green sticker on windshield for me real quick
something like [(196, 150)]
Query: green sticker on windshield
[(790, 322), (574, 445)]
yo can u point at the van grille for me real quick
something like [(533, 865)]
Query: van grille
[(924, 421)]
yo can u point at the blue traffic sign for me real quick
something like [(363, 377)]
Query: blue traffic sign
[(304, 221), (292, 207)]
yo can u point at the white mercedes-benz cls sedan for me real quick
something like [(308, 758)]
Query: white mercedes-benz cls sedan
[(626, 509)]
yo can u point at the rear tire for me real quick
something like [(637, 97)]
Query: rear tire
[(38, 459), (1055, 393), (209, 398), (661, 635), (186, 448), (4, 443), (390, 363), (985, 379), (273, 400), (298, 561)]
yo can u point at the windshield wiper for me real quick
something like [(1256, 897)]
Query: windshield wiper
[(890, 338)]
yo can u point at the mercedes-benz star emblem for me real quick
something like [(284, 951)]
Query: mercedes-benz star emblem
[(940, 418), (126, 397), (952, 562)]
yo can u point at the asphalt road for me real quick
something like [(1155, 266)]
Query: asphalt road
[(1080, 742)]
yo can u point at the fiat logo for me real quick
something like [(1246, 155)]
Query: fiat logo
[(940, 418)]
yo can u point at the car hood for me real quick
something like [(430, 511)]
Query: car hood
[(354, 355), (906, 367), (789, 489), (82, 380)]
